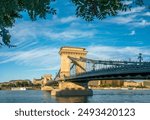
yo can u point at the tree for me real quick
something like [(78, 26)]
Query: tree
[(10, 10)]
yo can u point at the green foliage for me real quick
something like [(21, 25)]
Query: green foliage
[(90, 9), (16, 84), (37, 85)]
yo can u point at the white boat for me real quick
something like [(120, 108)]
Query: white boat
[(18, 88)]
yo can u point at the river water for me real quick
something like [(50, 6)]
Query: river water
[(100, 96)]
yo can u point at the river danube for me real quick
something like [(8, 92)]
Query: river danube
[(100, 96)]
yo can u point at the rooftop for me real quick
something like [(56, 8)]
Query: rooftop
[(72, 47)]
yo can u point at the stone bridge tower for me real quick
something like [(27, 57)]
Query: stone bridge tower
[(67, 88), (66, 62)]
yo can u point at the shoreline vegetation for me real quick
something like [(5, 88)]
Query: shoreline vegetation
[(19, 84), (17, 88)]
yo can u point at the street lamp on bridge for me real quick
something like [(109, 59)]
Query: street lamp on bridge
[(140, 58)]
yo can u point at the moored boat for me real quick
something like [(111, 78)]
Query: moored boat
[(18, 88)]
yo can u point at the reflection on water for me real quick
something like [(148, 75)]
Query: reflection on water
[(100, 96), (77, 99), (46, 94)]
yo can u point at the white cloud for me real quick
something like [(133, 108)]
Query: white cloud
[(127, 2), (69, 34), (147, 14), (31, 31), (133, 11), (122, 19), (132, 33), (38, 57), (117, 53), (132, 18), (68, 19), (141, 23), (129, 20)]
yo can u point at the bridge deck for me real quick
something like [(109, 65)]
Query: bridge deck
[(119, 72)]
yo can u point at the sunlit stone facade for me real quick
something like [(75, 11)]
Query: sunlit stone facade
[(66, 62)]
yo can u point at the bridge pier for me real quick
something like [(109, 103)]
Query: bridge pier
[(72, 89), (47, 88)]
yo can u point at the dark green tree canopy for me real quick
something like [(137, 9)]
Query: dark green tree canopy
[(88, 9), (10, 10)]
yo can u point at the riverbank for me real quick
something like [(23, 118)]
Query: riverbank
[(93, 88), (27, 88)]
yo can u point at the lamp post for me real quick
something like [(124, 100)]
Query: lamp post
[(140, 58)]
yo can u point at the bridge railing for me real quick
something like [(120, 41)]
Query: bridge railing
[(118, 69)]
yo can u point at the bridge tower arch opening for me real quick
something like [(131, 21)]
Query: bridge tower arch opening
[(65, 62)]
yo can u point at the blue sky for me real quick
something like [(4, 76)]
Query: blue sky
[(121, 37)]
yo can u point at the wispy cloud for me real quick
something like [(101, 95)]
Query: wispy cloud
[(132, 18), (141, 23), (68, 19), (117, 53), (122, 19), (133, 11), (38, 57), (69, 34), (127, 2), (132, 33), (29, 32), (147, 14)]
